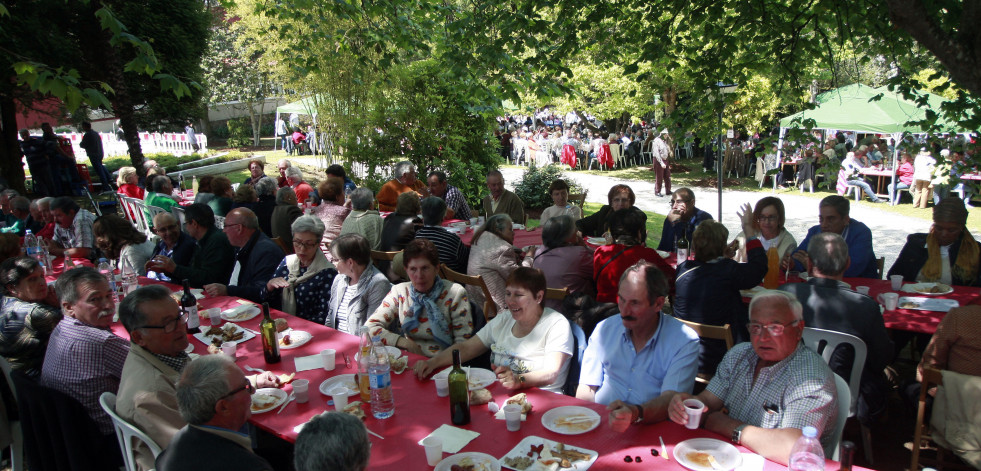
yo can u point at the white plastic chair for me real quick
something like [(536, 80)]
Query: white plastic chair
[(219, 222), (815, 338), (16, 432), (126, 433), (844, 402), (178, 212)]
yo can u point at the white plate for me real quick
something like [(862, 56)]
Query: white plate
[(551, 420), (518, 227), (596, 240), (393, 353), (297, 338), (240, 313), (483, 461), (521, 451), (927, 304), (190, 347), (924, 288), (346, 380), (264, 393), (479, 377), (206, 339), (726, 454)]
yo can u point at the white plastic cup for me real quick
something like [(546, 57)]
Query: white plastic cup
[(434, 450), (442, 386), (473, 222), (862, 289), (328, 357), (229, 348), (215, 315), (897, 282), (889, 300), (301, 388), (339, 396), (694, 409), (512, 415)]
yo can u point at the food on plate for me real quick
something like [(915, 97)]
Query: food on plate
[(469, 464), (699, 458), (214, 330), (285, 341), (229, 333), (480, 397), (936, 288), (522, 400), (398, 364), (214, 349), (518, 462), (286, 378), (354, 408), (909, 305), (570, 455), (281, 325), (576, 422), (263, 401)]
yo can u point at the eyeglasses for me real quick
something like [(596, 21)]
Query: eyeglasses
[(682, 201), (775, 330), (161, 230), (170, 326), (308, 245), (248, 387), (227, 225)]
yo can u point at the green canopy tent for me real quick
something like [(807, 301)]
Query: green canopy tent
[(307, 106)]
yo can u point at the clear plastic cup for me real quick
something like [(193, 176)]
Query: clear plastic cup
[(328, 356), (442, 386), (512, 415), (897, 282), (229, 348), (301, 388), (434, 450), (694, 409)]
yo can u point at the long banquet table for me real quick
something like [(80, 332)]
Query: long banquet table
[(418, 411), (914, 320)]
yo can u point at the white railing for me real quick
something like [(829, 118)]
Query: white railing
[(151, 142)]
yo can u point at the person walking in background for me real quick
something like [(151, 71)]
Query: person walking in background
[(192, 138), (92, 144), (922, 174)]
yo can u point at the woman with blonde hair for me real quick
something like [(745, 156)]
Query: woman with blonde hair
[(947, 254), (127, 182)]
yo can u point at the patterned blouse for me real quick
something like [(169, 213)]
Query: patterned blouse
[(388, 318), (24, 331), (312, 296)]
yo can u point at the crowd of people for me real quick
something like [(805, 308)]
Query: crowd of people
[(640, 359)]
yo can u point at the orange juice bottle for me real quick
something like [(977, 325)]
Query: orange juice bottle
[(772, 278), (364, 385)]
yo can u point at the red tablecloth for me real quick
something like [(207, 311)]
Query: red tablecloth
[(913, 320), (522, 238)]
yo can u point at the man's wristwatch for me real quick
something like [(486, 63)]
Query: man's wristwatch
[(737, 434), (640, 414)]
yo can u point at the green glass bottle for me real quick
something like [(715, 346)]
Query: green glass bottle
[(270, 344), (459, 393)]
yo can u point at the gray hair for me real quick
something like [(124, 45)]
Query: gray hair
[(46, 201), (495, 224), (203, 383), (788, 299), (285, 161), (332, 441), (265, 186), (10, 193), (249, 219), (557, 231), (403, 168), (361, 199), (433, 210), (160, 184), (285, 192), (67, 285), (64, 204), (828, 253), (294, 172), (20, 203), (131, 308), (309, 224)]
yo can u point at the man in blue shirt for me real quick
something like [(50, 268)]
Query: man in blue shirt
[(635, 362), (684, 217), (834, 218)]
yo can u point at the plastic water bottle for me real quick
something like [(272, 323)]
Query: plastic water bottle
[(32, 247), (807, 454), (105, 268), (382, 402), (129, 276)]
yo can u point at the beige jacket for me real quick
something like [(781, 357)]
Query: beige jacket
[(147, 398), (493, 259), (956, 416)]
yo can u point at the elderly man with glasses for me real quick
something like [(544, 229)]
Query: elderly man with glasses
[(213, 255), (683, 218), (215, 399), (147, 394), (256, 257), (773, 386), (174, 243)]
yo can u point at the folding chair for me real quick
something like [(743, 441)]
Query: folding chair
[(922, 431), (712, 332), (490, 307)]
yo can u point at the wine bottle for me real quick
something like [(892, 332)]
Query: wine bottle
[(846, 455), (189, 304), (459, 392), (682, 246), (270, 344)]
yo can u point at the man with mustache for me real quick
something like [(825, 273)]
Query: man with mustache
[(84, 358), (635, 362)]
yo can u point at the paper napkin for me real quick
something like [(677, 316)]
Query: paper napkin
[(454, 438), (311, 362)]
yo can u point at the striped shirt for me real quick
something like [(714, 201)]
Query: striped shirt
[(451, 249), (796, 392), (342, 317), (83, 362)]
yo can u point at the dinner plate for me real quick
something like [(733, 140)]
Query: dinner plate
[(518, 227), (555, 420), (926, 304), (297, 338), (596, 240), (481, 461), (522, 449), (929, 289), (267, 399), (346, 380), (240, 313), (479, 378), (687, 452), (393, 353), (206, 339)]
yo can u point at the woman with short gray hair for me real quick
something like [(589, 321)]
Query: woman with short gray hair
[(333, 441), (363, 219), (494, 258), (564, 259), (301, 284), (283, 215)]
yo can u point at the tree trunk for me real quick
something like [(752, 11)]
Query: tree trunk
[(11, 163)]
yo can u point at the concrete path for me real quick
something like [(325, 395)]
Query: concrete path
[(889, 230)]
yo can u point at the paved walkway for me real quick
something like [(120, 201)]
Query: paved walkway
[(889, 230)]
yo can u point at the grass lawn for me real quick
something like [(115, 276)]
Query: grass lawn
[(654, 223)]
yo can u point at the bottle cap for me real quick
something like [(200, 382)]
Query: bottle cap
[(810, 432)]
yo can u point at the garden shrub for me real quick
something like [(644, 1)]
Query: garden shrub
[(239, 132), (533, 187)]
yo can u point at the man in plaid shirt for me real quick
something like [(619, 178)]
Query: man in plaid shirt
[(73, 229), (456, 204), (772, 387)]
